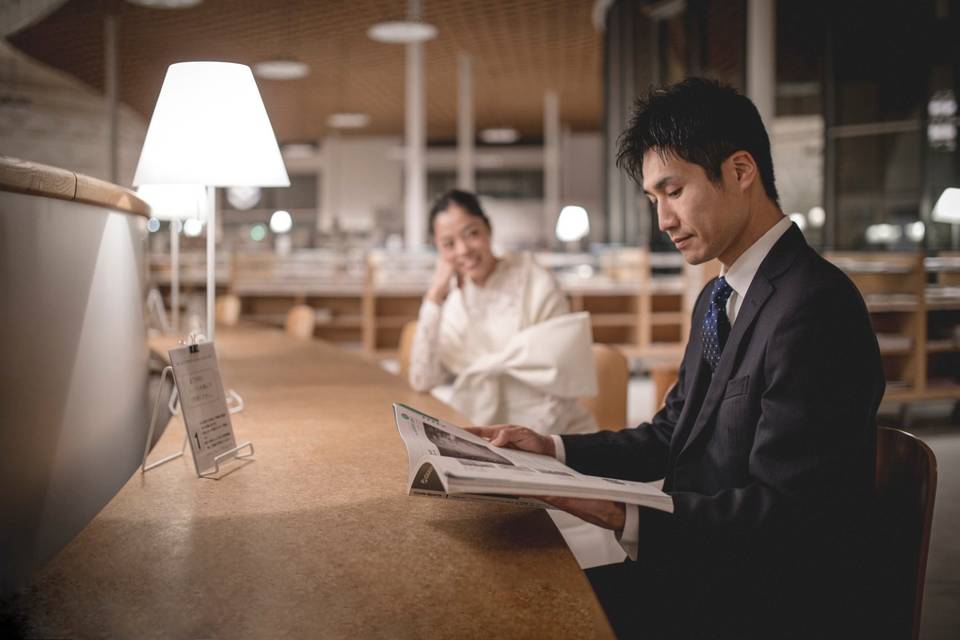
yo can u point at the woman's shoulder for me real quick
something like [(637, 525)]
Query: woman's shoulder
[(524, 261)]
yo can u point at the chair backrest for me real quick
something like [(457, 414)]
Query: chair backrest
[(609, 406), (300, 322), (403, 350), (906, 484), (227, 310)]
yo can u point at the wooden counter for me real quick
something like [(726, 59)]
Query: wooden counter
[(314, 538)]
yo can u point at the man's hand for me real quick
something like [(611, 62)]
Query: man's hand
[(508, 435), (603, 513)]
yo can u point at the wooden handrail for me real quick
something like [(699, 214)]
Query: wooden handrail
[(37, 179)]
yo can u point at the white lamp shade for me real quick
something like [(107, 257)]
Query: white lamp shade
[(209, 127), (947, 208), (573, 224), (175, 201)]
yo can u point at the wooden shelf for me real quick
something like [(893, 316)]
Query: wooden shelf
[(613, 319), (903, 310), (942, 346), (667, 317), (394, 322)]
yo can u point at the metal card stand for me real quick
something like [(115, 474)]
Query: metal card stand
[(144, 467), (173, 406)]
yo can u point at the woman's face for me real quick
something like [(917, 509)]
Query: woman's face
[(463, 241)]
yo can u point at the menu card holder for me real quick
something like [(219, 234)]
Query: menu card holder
[(206, 417)]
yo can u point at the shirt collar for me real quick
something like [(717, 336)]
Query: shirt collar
[(741, 272)]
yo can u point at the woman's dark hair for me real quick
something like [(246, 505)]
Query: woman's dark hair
[(700, 121), (463, 199)]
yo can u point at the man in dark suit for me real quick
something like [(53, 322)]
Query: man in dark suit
[(767, 441)]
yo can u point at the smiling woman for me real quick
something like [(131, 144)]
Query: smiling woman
[(475, 307)]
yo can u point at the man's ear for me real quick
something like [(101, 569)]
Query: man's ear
[(744, 169)]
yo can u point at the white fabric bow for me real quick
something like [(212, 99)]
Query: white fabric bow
[(552, 357)]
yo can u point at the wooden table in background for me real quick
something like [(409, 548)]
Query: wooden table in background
[(314, 538)]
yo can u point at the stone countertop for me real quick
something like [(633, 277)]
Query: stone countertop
[(313, 537)]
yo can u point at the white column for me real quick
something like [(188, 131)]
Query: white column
[(321, 186), (761, 57), (415, 213), (465, 128), (330, 192), (551, 164), (110, 88)]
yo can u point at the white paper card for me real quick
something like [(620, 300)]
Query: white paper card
[(203, 402)]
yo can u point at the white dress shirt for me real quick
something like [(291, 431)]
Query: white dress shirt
[(739, 276)]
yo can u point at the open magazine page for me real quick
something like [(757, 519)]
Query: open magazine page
[(430, 442), (428, 436), (464, 463)]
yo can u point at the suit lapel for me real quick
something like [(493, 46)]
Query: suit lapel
[(776, 262), (760, 290), (698, 380)]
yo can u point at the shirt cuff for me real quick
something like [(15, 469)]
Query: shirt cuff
[(629, 538), (560, 452)]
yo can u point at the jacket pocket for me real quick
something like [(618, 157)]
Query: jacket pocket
[(737, 387)]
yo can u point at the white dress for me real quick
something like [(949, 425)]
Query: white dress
[(476, 323)]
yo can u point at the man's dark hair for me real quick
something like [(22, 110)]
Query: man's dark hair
[(700, 121), (463, 199)]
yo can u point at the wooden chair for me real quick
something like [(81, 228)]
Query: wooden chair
[(609, 406), (300, 322), (227, 310), (906, 484), (403, 350)]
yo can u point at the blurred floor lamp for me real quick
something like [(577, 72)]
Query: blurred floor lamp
[(175, 203), (210, 128), (947, 210)]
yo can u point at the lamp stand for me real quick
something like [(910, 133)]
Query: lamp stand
[(211, 261), (175, 273)]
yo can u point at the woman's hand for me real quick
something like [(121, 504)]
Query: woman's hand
[(508, 435), (440, 286)]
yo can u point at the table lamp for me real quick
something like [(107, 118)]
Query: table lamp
[(573, 225), (210, 128), (175, 202), (947, 209)]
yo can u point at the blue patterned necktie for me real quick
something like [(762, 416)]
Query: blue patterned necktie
[(716, 325)]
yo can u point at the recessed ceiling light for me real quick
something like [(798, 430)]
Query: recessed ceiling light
[(166, 4), (348, 120), (402, 31), (298, 150), (499, 135), (281, 69)]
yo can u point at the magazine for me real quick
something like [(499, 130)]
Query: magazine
[(446, 461)]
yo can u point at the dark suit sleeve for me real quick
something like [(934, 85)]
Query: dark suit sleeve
[(813, 450), (640, 453)]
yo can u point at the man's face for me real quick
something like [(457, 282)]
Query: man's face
[(702, 218)]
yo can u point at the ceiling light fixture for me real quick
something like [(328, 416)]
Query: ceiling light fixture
[(499, 135), (298, 150), (402, 32), (166, 4), (408, 31), (348, 120), (281, 69)]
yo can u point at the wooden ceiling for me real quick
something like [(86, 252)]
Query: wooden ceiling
[(520, 49)]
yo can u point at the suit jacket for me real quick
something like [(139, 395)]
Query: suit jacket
[(771, 459)]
